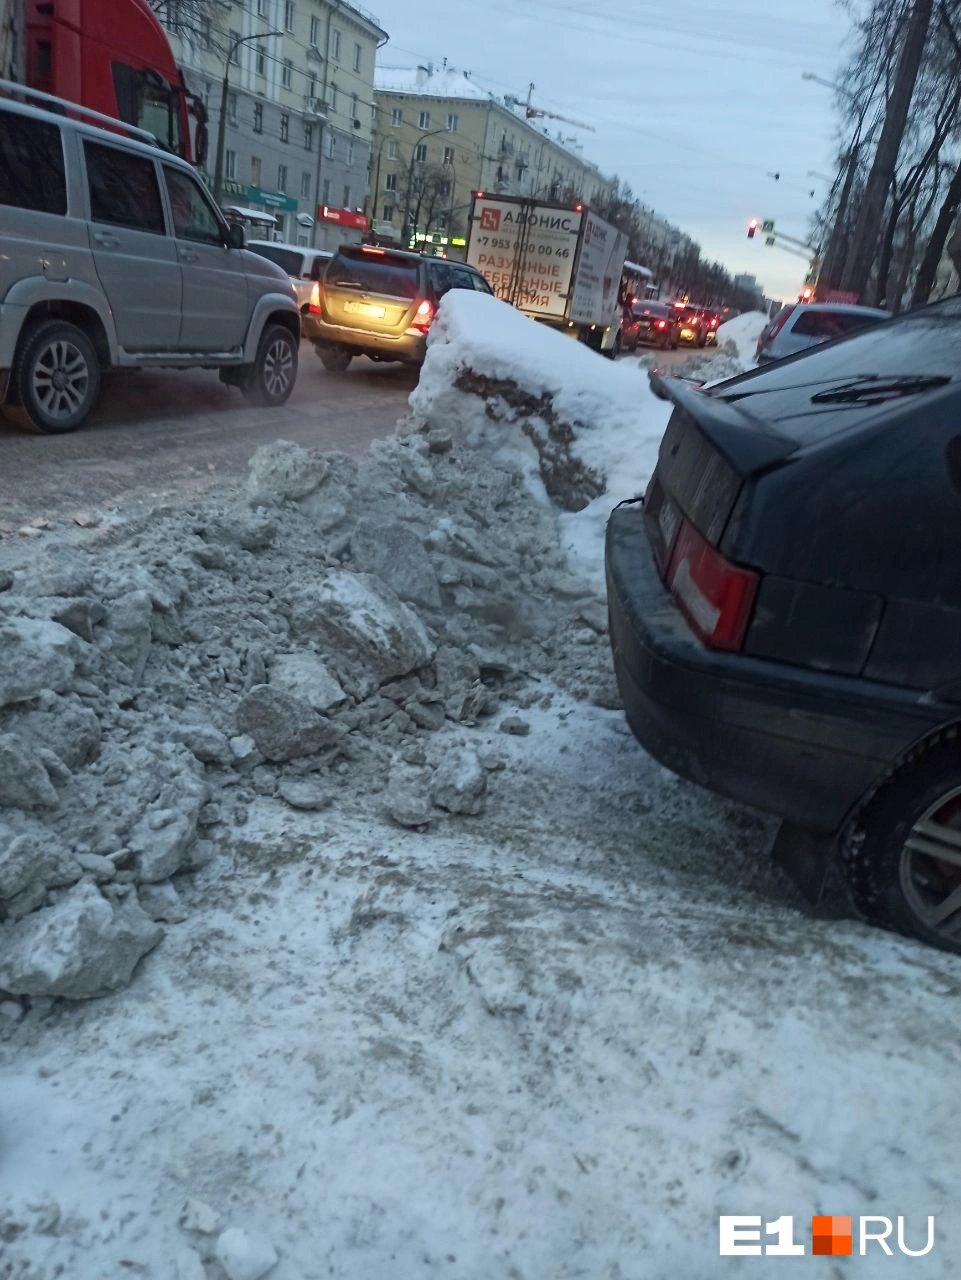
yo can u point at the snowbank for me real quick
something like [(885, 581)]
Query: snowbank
[(744, 332)]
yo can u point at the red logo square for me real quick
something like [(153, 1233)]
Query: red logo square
[(490, 219), (831, 1236)]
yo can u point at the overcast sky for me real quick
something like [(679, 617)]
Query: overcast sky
[(695, 102)]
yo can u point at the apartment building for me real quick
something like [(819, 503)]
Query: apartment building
[(439, 136), (300, 106)]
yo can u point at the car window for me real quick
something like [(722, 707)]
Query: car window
[(462, 278), (851, 321), (123, 188), (818, 324), (318, 266), (374, 273), (31, 164), (480, 284), (193, 214), (441, 278), (289, 259)]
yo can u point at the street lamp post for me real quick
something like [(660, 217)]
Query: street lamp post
[(224, 95)]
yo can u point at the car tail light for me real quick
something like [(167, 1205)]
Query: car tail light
[(314, 305), (423, 316), (715, 596), (779, 323), (661, 324), (373, 248)]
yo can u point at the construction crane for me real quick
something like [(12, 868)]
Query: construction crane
[(534, 113)]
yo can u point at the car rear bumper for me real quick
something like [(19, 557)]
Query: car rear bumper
[(800, 744), (410, 348)]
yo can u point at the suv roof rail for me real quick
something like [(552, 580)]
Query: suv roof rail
[(11, 89)]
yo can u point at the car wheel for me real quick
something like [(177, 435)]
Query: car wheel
[(334, 359), (56, 376), (901, 855), (274, 372)]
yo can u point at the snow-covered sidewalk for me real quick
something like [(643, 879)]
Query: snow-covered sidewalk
[(470, 986)]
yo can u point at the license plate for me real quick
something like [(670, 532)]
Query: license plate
[(668, 520), (365, 309)]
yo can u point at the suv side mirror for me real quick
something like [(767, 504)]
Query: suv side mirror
[(235, 236)]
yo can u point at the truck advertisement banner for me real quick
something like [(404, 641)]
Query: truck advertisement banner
[(526, 252), (599, 269)]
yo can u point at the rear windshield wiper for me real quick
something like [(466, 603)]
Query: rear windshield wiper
[(874, 389)]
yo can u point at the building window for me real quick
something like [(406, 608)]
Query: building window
[(325, 196), (315, 31), (420, 152), (329, 145), (289, 15), (452, 123), (258, 117), (396, 117), (308, 137), (311, 86), (232, 108), (444, 189), (282, 178), (448, 155), (357, 56), (234, 47), (261, 63), (332, 103), (230, 165), (287, 75), (255, 170), (353, 108), (305, 185), (346, 204), (350, 152), (388, 213), (390, 182), (424, 120), (393, 150), (284, 127), (335, 45), (261, 8)]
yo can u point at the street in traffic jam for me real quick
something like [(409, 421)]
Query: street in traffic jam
[(480, 639)]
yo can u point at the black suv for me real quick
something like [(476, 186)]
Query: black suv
[(786, 607), (380, 303)]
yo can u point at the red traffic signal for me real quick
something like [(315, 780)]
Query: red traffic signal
[(752, 228)]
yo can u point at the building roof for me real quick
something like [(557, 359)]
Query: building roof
[(433, 82)]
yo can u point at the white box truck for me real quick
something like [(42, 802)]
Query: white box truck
[(559, 263)]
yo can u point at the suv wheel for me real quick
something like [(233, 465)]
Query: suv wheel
[(274, 372), (334, 359), (56, 376), (902, 854)]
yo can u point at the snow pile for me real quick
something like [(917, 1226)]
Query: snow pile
[(743, 331), (289, 645), (591, 428)]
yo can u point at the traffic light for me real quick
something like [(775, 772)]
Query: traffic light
[(752, 229)]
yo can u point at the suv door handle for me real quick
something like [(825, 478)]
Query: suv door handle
[(106, 239), (188, 255)]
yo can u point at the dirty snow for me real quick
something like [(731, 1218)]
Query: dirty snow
[(743, 331), (453, 979)]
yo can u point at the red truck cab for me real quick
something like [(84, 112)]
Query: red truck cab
[(113, 56)]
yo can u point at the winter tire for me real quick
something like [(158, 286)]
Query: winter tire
[(274, 372), (334, 359), (901, 855), (56, 376)]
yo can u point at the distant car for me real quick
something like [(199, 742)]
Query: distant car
[(806, 324), (380, 303), (785, 607), (693, 328), (303, 265), (653, 323)]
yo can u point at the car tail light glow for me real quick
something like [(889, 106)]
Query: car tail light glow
[(373, 248), (715, 596), (423, 317), (661, 324), (314, 305)]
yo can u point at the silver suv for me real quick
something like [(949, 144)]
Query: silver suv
[(800, 325), (112, 255)]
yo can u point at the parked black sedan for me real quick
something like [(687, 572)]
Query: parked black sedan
[(785, 607)]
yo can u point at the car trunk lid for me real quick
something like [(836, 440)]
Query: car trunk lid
[(375, 292)]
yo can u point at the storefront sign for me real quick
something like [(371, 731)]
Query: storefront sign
[(343, 217)]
